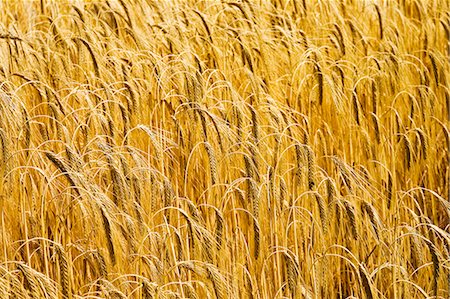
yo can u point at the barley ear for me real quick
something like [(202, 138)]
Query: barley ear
[(373, 217), (64, 272), (217, 280), (319, 81), (350, 209), (292, 269), (219, 229), (365, 280), (63, 168), (30, 282), (212, 162), (108, 234), (322, 211), (310, 158), (380, 21)]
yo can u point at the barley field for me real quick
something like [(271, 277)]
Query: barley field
[(224, 149)]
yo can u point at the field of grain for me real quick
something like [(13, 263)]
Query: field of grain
[(224, 149)]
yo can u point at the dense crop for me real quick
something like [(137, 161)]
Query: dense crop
[(219, 149)]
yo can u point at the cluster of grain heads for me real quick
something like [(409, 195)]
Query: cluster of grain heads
[(198, 149)]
